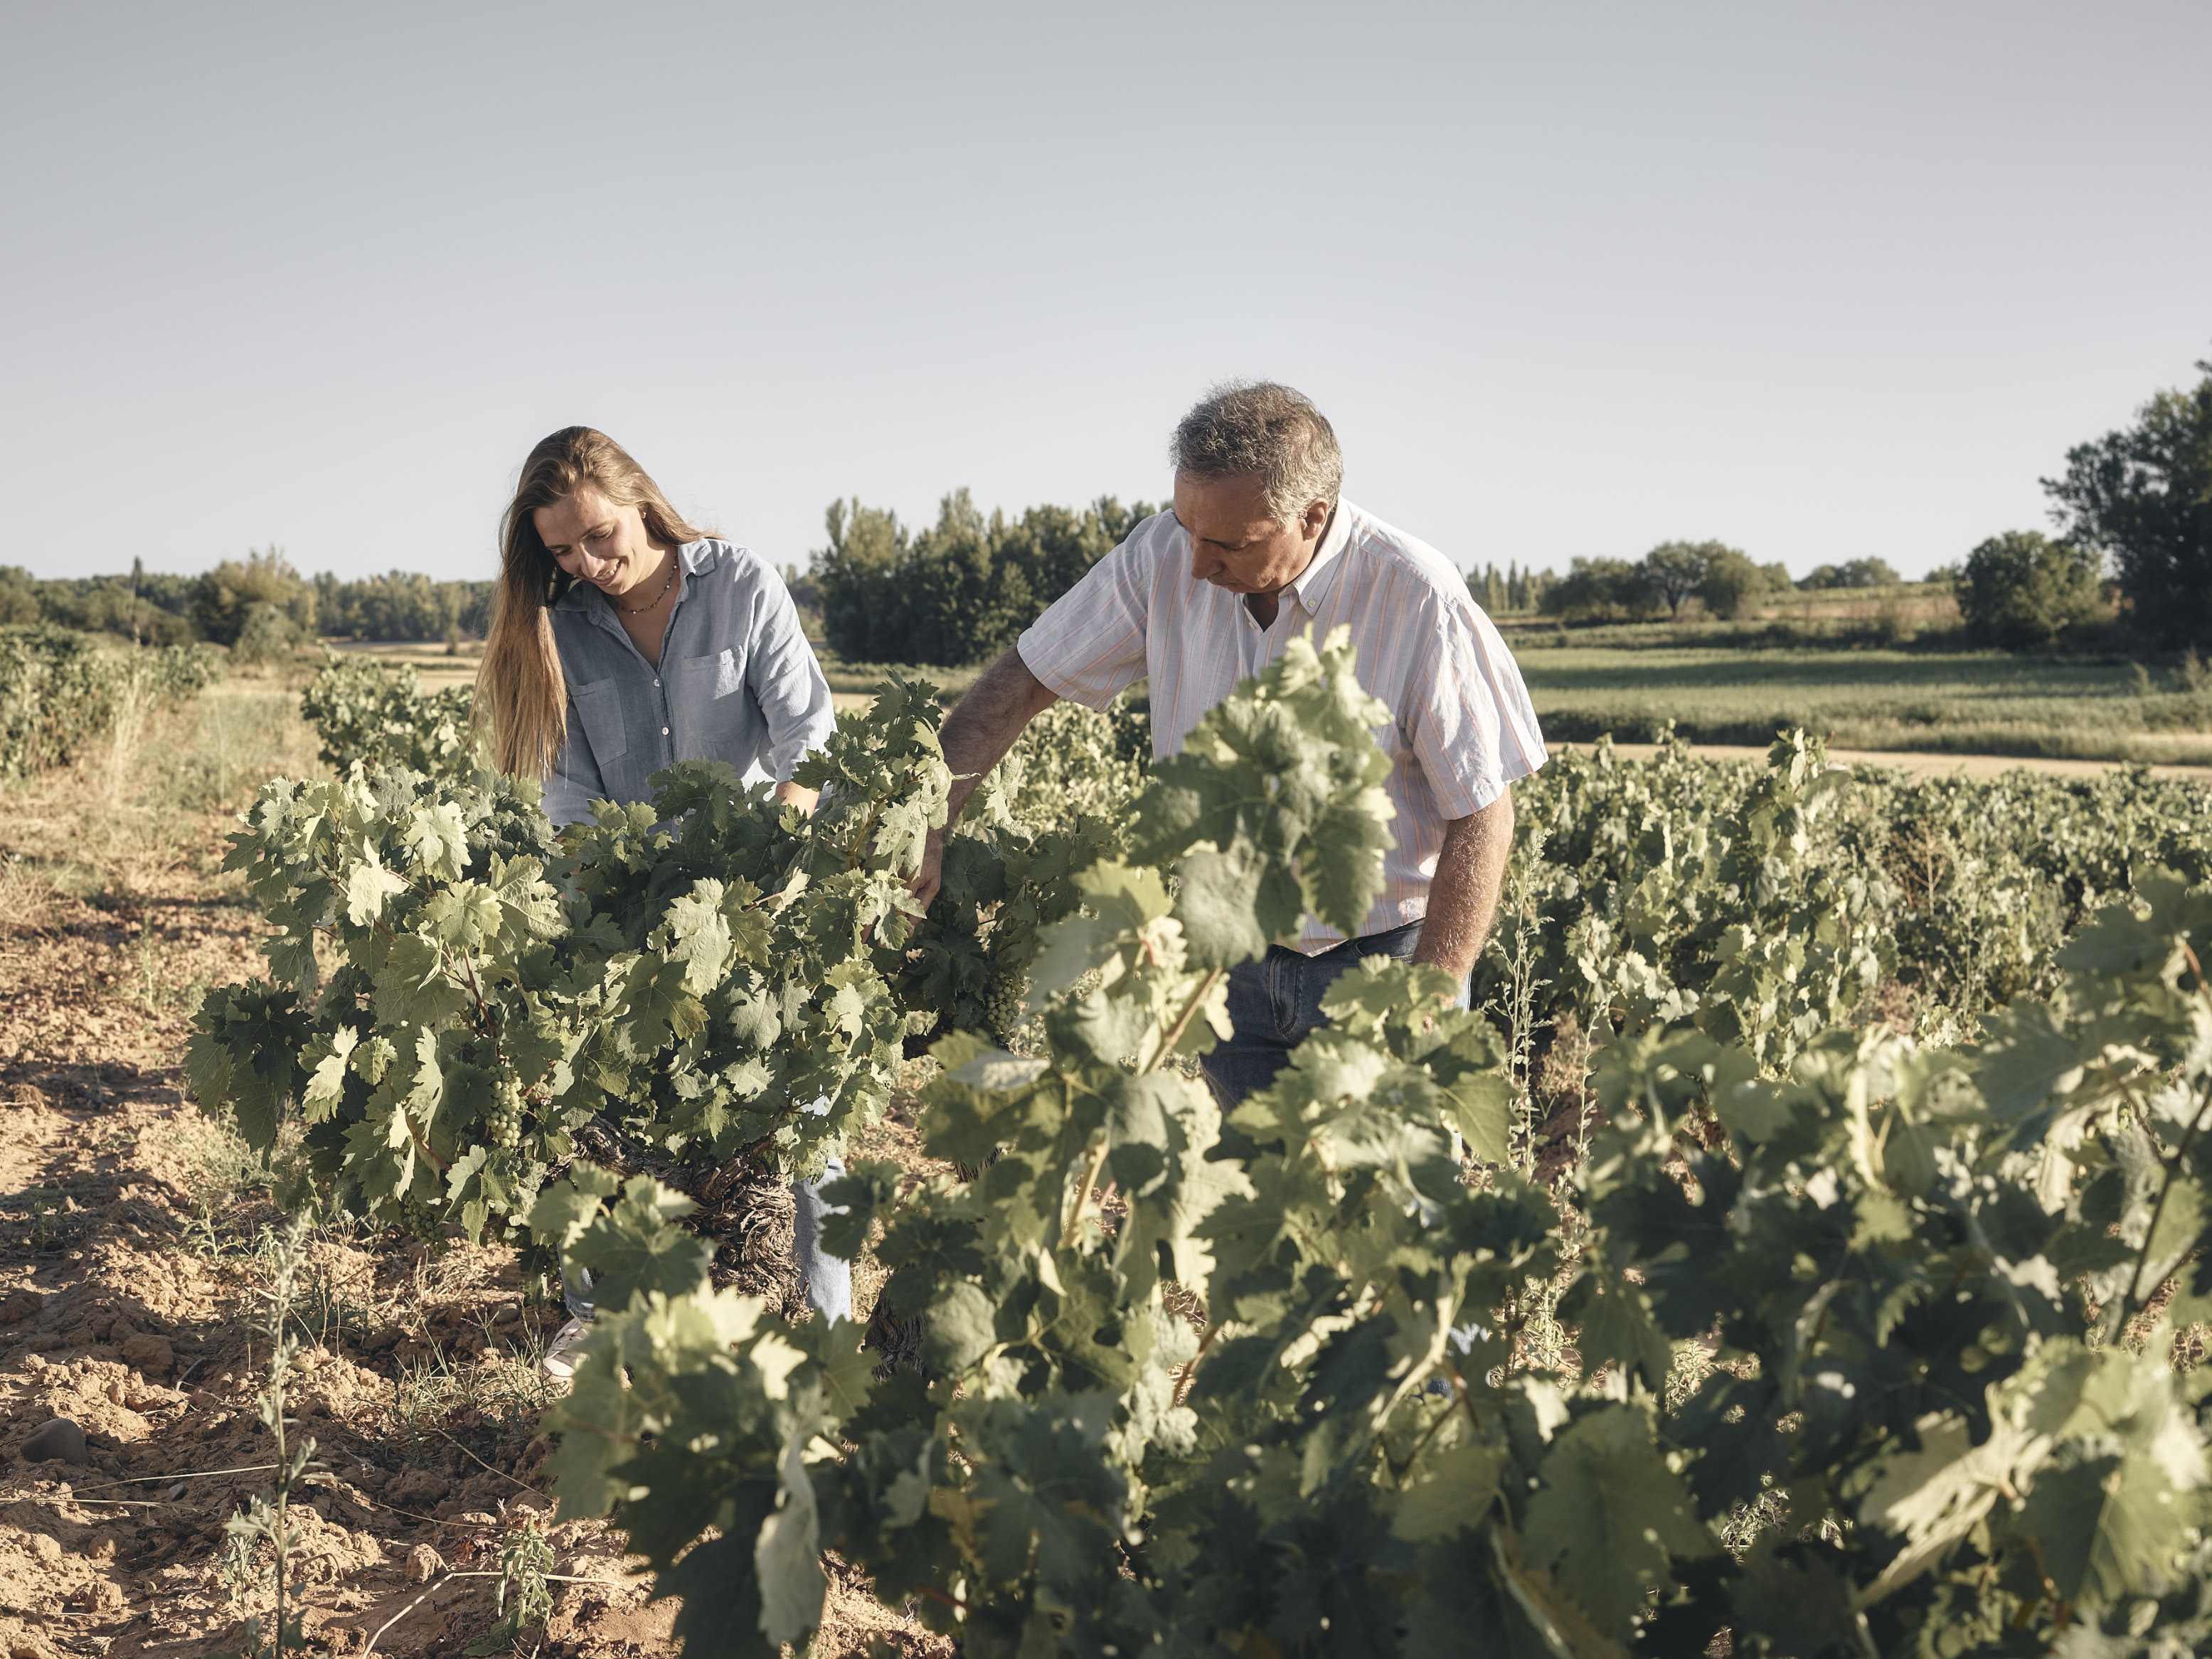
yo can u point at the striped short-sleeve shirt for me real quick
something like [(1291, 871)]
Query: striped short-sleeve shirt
[(1462, 727)]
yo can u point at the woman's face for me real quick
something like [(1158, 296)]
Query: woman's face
[(595, 541)]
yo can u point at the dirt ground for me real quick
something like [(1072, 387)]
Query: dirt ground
[(133, 1247)]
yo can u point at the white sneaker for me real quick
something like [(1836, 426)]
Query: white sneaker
[(561, 1355)]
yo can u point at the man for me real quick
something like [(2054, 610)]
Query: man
[(1259, 547)]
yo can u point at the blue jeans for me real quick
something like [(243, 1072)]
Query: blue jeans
[(827, 1279), (1274, 1004)]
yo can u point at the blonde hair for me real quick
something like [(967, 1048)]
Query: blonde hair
[(520, 691)]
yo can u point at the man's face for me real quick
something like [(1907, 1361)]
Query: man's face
[(1233, 541), (595, 541)]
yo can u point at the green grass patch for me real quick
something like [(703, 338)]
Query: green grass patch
[(863, 678), (1957, 702)]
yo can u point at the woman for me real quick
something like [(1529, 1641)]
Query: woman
[(623, 640)]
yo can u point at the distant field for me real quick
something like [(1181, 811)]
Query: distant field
[(1950, 702), (1964, 702), (427, 657), (859, 679)]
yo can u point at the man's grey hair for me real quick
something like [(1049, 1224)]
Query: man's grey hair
[(1257, 426)]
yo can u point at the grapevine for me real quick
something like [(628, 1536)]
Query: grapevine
[(1870, 1334), (1932, 1411), (370, 716), (455, 994), (1768, 906), (59, 690)]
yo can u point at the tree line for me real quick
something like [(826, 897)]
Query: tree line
[(2133, 510), (963, 589), (1722, 580), (2132, 563), (258, 605)]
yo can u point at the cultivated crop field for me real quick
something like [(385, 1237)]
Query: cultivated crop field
[(1821, 1276), (1963, 702)]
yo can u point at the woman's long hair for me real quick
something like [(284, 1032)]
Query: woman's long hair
[(520, 692)]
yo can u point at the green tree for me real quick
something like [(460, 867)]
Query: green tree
[(2021, 589), (1600, 590), (960, 606), (116, 604), (1674, 569), (1732, 584), (2142, 497), (857, 574), (265, 634), (19, 597), (402, 604), (225, 595), (1525, 589), (1853, 573)]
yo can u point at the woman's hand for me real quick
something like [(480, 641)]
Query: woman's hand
[(792, 794)]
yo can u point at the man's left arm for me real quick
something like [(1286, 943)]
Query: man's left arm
[(1474, 732), (1463, 896)]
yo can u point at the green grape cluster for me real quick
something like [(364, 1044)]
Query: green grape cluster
[(503, 1127), (1005, 1004)]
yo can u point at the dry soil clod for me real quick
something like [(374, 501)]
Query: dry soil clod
[(58, 1437)]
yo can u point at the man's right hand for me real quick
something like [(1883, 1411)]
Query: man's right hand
[(977, 734), (924, 882)]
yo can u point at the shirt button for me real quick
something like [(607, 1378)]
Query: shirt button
[(656, 682), (663, 731)]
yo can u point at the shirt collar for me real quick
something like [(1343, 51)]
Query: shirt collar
[(703, 555), (1315, 580)]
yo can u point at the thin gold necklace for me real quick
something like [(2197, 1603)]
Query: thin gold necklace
[(657, 598)]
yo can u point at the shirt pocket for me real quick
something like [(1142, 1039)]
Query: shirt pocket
[(598, 706), (703, 679), (711, 705)]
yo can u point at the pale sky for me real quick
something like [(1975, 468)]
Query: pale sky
[(1821, 281)]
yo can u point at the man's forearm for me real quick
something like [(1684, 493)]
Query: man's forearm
[(984, 723), (1463, 896)]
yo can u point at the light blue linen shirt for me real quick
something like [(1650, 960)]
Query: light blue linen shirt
[(738, 682)]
